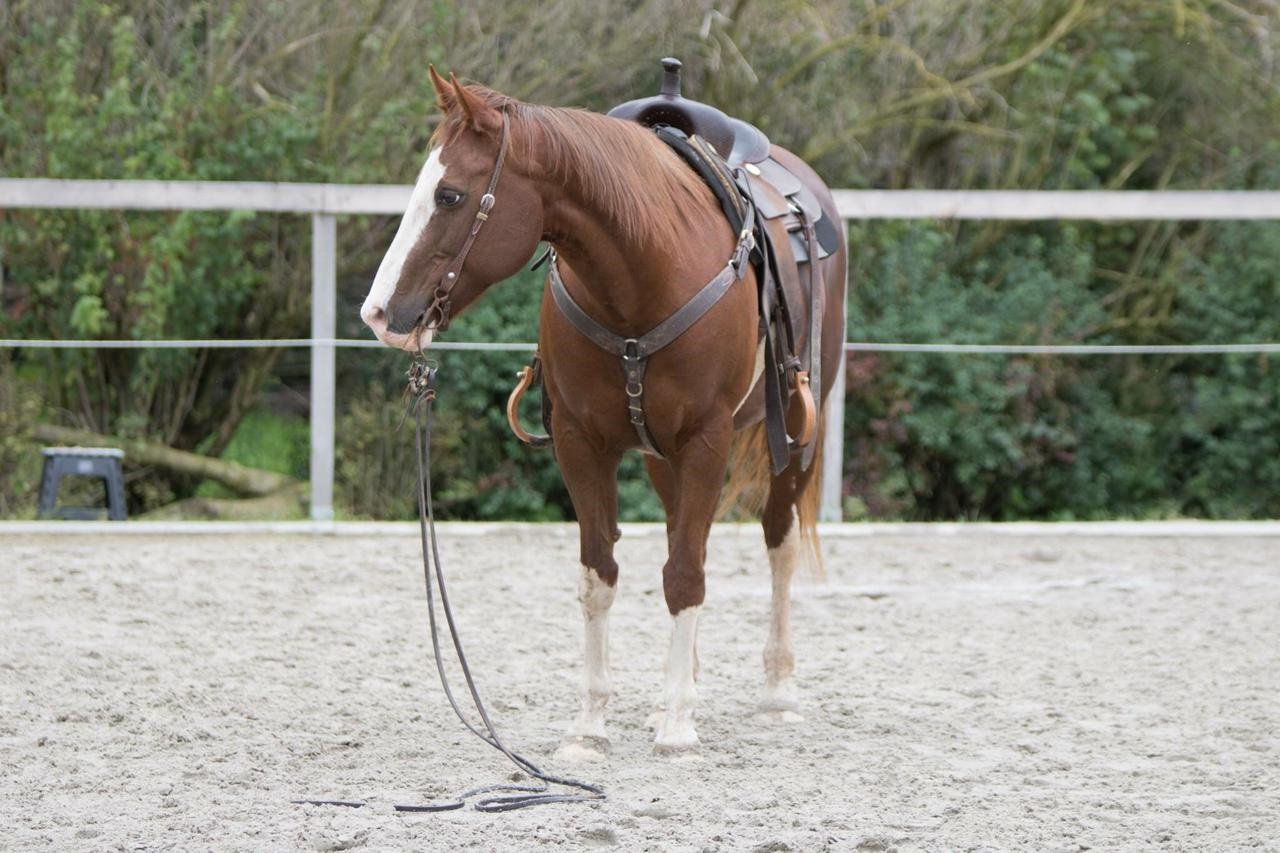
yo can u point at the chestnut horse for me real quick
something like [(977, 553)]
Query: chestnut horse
[(636, 234)]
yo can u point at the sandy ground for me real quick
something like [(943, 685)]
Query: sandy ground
[(961, 693)]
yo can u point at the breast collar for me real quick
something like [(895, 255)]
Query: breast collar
[(635, 352)]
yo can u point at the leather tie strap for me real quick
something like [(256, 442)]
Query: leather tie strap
[(817, 302)]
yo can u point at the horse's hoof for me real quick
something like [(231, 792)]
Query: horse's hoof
[(677, 739), (582, 748), (779, 704), (679, 753), (778, 715)]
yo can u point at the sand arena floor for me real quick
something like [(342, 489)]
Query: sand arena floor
[(963, 692)]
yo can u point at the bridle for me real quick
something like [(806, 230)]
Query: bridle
[(439, 312)]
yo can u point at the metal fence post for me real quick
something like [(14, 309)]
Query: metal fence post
[(324, 310), (831, 501), (831, 507)]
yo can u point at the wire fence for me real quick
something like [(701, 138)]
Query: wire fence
[(325, 202), (257, 343), (516, 346)]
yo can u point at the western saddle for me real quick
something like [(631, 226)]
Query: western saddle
[(735, 140)]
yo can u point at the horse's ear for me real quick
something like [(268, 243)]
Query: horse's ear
[(481, 116), (446, 97)]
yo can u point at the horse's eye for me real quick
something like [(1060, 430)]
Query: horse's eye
[(448, 198)]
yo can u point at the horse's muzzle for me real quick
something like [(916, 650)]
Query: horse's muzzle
[(415, 339)]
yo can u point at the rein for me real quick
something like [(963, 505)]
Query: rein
[(422, 391)]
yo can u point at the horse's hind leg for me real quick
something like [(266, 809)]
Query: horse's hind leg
[(782, 538), (593, 486)]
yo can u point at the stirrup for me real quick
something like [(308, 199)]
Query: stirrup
[(526, 377)]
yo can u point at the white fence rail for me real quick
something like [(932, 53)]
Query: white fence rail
[(325, 202), (339, 199)]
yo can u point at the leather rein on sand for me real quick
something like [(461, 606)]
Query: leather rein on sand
[(422, 391)]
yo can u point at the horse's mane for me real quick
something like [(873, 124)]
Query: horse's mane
[(618, 166)]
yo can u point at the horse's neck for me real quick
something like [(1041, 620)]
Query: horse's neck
[(628, 286)]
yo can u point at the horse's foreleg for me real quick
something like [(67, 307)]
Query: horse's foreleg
[(698, 474), (596, 597), (592, 483)]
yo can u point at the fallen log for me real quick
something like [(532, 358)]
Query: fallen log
[(253, 482), (285, 505)]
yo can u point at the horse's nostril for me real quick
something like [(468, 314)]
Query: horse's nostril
[(405, 319)]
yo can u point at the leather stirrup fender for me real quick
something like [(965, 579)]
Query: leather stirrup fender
[(526, 376), (810, 426)]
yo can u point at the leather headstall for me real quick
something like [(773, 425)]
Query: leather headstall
[(439, 311)]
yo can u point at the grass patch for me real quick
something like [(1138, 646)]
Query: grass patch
[(268, 441)]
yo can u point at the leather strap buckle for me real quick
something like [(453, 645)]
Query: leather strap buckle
[(632, 366)]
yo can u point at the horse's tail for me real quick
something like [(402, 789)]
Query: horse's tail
[(747, 490), (809, 506), (748, 486)]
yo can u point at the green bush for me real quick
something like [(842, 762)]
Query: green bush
[(20, 459), (933, 436), (1227, 437)]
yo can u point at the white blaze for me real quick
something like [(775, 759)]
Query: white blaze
[(422, 204)]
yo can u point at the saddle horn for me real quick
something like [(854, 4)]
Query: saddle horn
[(671, 77)]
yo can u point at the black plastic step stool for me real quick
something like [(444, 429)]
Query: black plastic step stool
[(101, 462)]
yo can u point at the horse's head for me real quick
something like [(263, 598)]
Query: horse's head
[(474, 218)]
